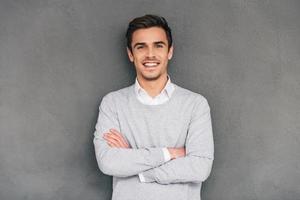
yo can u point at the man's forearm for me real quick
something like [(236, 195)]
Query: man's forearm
[(123, 162), (170, 154), (180, 169), (185, 169)]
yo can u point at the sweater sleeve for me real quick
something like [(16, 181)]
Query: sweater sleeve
[(167, 157), (120, 162), (196, 165)]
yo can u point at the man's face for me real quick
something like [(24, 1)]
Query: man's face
[(150, 53)]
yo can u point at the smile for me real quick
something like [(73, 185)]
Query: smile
[(151, 64)]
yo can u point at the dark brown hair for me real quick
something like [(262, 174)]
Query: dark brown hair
[(148, 21)]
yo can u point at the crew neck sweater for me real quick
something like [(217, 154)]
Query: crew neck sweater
[(183, 121), (164, 95)]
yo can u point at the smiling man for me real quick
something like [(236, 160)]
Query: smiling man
[(154, 137)]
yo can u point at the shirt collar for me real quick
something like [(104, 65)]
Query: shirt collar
[(169, 87)]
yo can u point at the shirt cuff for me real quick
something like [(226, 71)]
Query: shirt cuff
[(167, 155), (147, 176), (142, 178)]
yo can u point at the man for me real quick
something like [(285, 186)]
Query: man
[(154, 137)]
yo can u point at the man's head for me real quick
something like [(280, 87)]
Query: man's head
[(149, 46), (148, 21)]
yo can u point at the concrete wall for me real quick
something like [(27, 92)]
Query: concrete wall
[(59, 58)]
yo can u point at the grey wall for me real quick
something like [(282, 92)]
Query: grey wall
[(58, 59)]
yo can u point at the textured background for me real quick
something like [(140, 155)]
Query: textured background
[(59, 58)]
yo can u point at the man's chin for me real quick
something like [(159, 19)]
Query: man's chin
[(151, 78)]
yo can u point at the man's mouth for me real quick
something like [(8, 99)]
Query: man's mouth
[(151, 64)]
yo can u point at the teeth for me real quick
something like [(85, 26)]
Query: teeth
[(150, 64)]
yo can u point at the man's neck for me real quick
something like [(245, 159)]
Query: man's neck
[(154, 87)]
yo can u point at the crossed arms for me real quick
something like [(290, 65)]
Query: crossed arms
[(116, 158)]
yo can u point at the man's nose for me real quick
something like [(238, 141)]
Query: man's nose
[(150, 52)]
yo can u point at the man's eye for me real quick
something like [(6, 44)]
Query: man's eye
[(139, 47), (159, 46)]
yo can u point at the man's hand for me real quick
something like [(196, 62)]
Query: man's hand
[(176, 152), (115, 139)]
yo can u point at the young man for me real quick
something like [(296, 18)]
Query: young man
[(154, 137)]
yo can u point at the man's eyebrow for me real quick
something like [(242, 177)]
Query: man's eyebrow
[(160, 42), (139, 43), (143, 43)]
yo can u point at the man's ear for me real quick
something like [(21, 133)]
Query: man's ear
[(170, 53), (129, 53)]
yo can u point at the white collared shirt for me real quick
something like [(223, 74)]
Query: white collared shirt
[(161, 98)]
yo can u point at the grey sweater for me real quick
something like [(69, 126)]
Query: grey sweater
[(183, 121)]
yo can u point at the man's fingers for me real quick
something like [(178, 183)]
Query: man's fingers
[(114, 136), (113, 139), (117, 138), (119, 135), (110, 143), (114, 143)]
